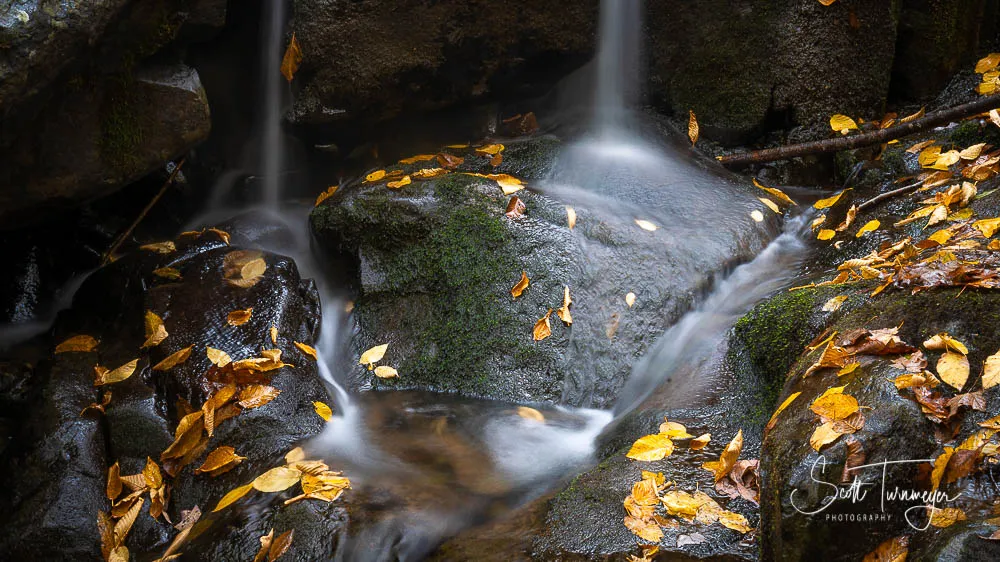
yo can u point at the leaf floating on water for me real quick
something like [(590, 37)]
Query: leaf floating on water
[(757, 216), (373, 355), (159, 247), (630, 299), (239, 317), (277, 479), (520, 286), (326, 194), (646, 225), (174, 359), (530, 414), (292, 59), (156, 332), (322, 410), (218, 357), (835, 303), (727, 459), (232, 496), (308, 350), (77, 344), (417, 158), (842, 123), (570, 217), (221, 460), (542, 328), (651, 448), (117, 375), (869, 226), (692, 127), (384, 372), (256, 395), (400, 183), (699, 443), (563, 312), (170, 273)]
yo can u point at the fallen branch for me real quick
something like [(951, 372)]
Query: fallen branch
[(932, 119), (889, 195), (106, 259)]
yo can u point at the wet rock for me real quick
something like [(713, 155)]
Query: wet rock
[(101, 139), (437, 260)]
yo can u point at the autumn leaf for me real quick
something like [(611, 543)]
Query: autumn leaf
[(170, 273), (428, 173), (699, 443), (563, 312), (674, 430), (869, 226), (384, 372), (515, 208), (892, 550), (570, 217), (307, 349), (953, 368), (490, 149), (757, 216), (692, 127), (156, 332), (651, 448), (781, 408), (239, 317), (277, 479), (509, 184), (775, 192), (991, 371), (218, 357), (834, 407), (280, 545), (645, 529), (520, 286), (404, 181), (322, 410), (328, 193), (987, 226), (292, 59), (835, 303), (222, 234), (373, 355), (770, 205), (221, 460), (946, 517), (987, 63), (826, 234), (243, 268), (824, 435), (530, 414), (117, 375), (646, 225), (727, 459), (186, 436), (159, 247), (842, 123), (256, 395), (542, 328), (232, 496), (630, 299), (81, 343), (829, 201), (274, 335)]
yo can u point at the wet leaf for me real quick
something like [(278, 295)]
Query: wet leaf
[(170, 273), (698, 443), (630, 299), (824, 435), (417, 158), (946, 517), (307, 349), (530, 414), (829, 201), (151, 474), (734, 521), (987, 226), (570, 217), (674, 430), (82, 344), (174, 359), (991, 371), (375, 176), (835, 303), (826, 234), (781, 408), (833, 356), (842, 123), (542, 328), (508, 183), (698, 538), (218, 357), (373, 355), (770, 205), (274, 335), (114, 486), (490, 149), (402, 182), (186, 436), (280, 545), (384, 372), (428, 173), (651, 448), (987, 63), (775, 192), (757, 216), (692, 127), (159, 247), (256, 395), (892, 550), (117, 375), (835, 407), (520, 286), (239, 317), (563, 312), (277, 479), (645, 529), (156, 332), (869, 226), (646, 225), (449, 161), (292, 59), (243, 268), (953, 368), (848, 369), (515, 208), (232, 496), (326, 194), (223, 457), (99, 407), (322, 410), (727, 459)]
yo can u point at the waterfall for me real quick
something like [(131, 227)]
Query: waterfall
[(617, 69), (271, 145)]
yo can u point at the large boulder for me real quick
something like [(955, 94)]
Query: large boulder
[(437, 259)]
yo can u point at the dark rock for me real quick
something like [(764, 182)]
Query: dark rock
[(102, 139)]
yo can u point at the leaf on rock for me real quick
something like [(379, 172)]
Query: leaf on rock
[(170, 273), (116, 375), (328, 193), (159, 247), (82, 343), (699, 443), (869, 226), (322, 410), (987, 226), (490, 149), (570, 217), (232, 496), (842, 123), (834, 407), (308, 350), (646, 225), (770, 205), (946, 517), (274, 335), (292, 59), (727, 459), (563, 312), (384, 372), (987, 63), (692, 127), (222, 459), (428, 173), (530, 414), (991, 371), (776, 193), (542, 328), (953, 368), (630, 299), (239, 317), (835, 303), (520, 286), (646, 529), (829, 201), (186, 436), (257, 395), (280, 545), (781, 408), (674, 430), (222, 234), (892, 550), (218, 357), (156, 332), (824, 435), (402, 182), (277, 479), (515, 208), (373, 355), (651, 448), (826, 234), (243, 268)]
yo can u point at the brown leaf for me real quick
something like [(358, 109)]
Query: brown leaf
[(292, 59), (99, 407), (974, 400), (692, 127), (280, 545), (159, 247), (81, 344), (727, 459), (892, 550), (156, 332), (543, 328), (563, 312), (174, 359), (265, 544), (515, 207), (239, 317), (308, 350), (256, 395), (186, 436), (222, 459), (856, 457), (912, 363), (519, 287), (114, 487), (742, 481), (449, 161)]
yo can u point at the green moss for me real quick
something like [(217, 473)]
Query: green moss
[(121, 131)]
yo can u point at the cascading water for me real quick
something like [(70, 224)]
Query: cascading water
[(617, 68), (271, 147)]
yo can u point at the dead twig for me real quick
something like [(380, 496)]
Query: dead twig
[(106, 259), (889, 195), (932, 119)]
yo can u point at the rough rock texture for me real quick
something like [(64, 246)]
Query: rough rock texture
[(376, 58), (103, 139), (58, 459), (437, 260)]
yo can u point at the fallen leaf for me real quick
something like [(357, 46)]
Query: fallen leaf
[(842, 123), (307, 349), (835, 303), (156, 332), (174, 359), (292, 59), (869, 226), (375, 176), (218, 357), (515, 208), (646, 225), (530, 414), (520, 286), (449, 161), (892, 550), (542, 328), (645, 529), (570, 217), (987, 63), (770, 205), (692, 127), (232, 496), (734, 521), (428, 173), (159, 247), (328, 193), (823, 436), (829, 201), (239, 317), (630, 299), (946, 517), (417, 158), (222, 234), (322, 410), (99, 407), (651, 448), (698, 443), (991, 371), (168, 273), (81, 343), (757, 216), (563, 312), (775, 192), (698, 538), (277, 479), (834, 407), (243, 268), (826, 234), (727, 459), (404, 181), (987, 226), (274, 335), (280, 545), (117, 375), (953, 368), (490, 149), (221, 460), (256, 395), (373, 355), (781, 408), (674, 430)]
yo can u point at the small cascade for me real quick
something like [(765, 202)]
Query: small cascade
[(617, 69), (271, 145)]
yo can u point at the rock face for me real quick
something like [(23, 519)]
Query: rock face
[(58, 458), (102, 140), (437, 260)]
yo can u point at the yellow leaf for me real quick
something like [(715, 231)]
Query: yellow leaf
[(117, 375), (781, 408), (913, 116), (520, 286), (987, 226), (398, 184), (651, 448), (698, 443), (920, 146), (826, 234), (218, 357), (991, 371), (953, 368), (239, 317), (692, 127), (292, 59), (946, 517), (256, 395), (570, 217), (322, 410), (375, 176), (81, 343), (326, 194), (727, 459), (646, 225), (827, 2), (823, 436), (869, 226), (417, 158), (674, 430), (428, 173), (848, 369), (508, 183), (490, 149), (542, 328), (770, 205), (834, 304), (563, 312), (757, 216), (221, 457), (277, 479), (816, 222), (274, 335), (174, 359), (892, 550), (243, 268), (944, 342), (775, 192), (630, 299), (232, 496), (168, 273), (373, 355), (829, 201), (835, 407), (645, 529), (842, 123), (159, 247), (530, 414), (734, 521), (384, 372), (987, 63), (307, 349), (972, 152), (156, 332)]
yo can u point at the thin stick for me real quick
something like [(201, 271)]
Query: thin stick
[(106, 259), (932, 119), (889, 194)]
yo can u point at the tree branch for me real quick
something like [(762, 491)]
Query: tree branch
[(932, 119), (128, 232)]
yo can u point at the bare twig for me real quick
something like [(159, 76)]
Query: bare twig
[(889, 195), (932, 119), (145, 211)]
